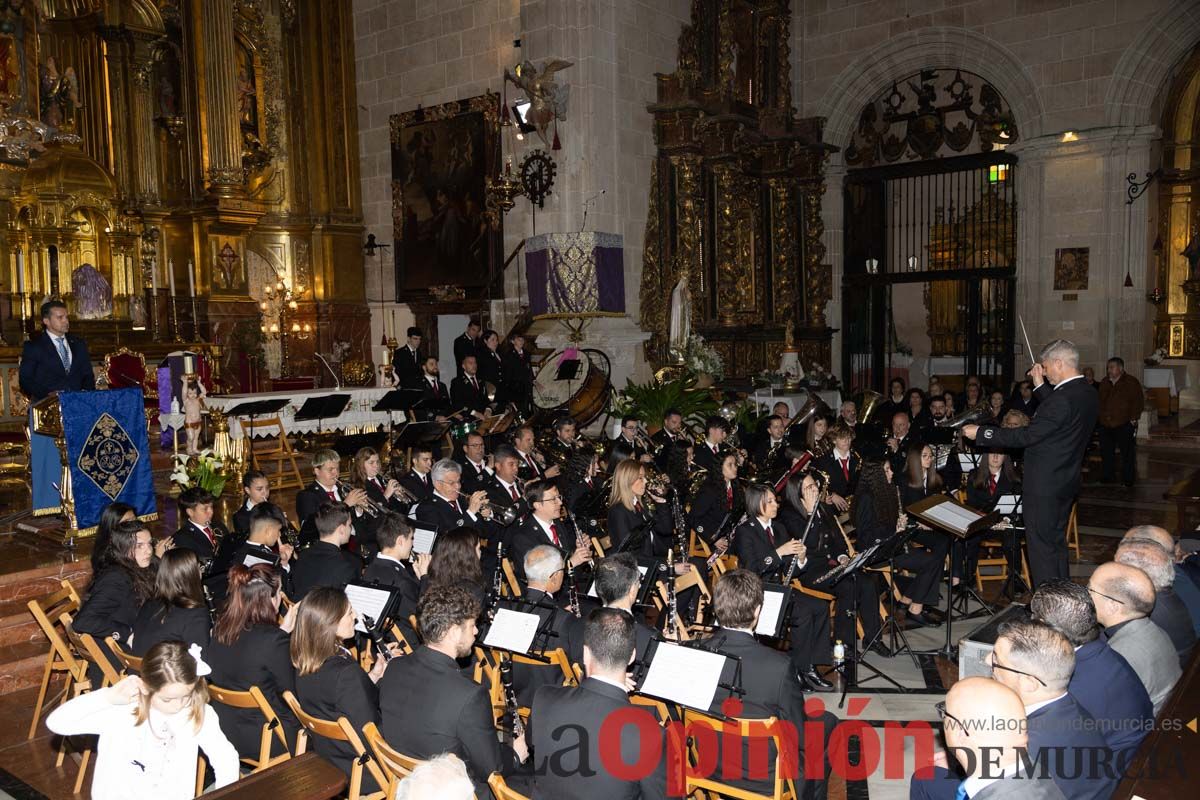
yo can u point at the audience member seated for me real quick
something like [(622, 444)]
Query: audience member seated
[(329, 681), (442, 777), (250, 648), (1124, 598), (1187, 570), (325, 563), (1169, 612), (429, 706), (566, 765), (119, 590), (1103, 682), (177, 611)]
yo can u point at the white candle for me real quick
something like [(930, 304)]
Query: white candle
[(191, 279), (171, 276), (153, 278), (20, 272)]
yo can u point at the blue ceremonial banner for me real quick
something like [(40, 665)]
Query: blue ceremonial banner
[(108, 451)]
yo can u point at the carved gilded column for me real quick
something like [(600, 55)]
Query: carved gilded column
[(214, 26), (817, 275), (116, 59), (783, 249), (145, 168)]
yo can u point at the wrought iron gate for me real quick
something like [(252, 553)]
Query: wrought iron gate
[(949, 225)]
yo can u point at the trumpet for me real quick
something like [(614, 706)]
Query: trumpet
[(501, 515), (373, 509)]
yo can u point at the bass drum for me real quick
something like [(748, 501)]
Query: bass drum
[(584, 397)]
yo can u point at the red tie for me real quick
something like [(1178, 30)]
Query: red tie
[(513, 491), (208, 532), (637, 506), (434, 384), (474, 385), (532, 466), (770, 536), (554, 535), (729, 496), (846, 468), (331, 496), (991, 484), (454, 505)]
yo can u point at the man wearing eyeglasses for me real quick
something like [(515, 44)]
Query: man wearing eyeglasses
[(543, 526)]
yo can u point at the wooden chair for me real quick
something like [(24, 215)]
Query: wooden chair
[(397, 765), (406, 647), (510, 577), (341, 731), (87, 652), (784, 788), (272, 727), (130, 664), (654, 704), (60, 658), (697, 547), (1072, 530), (598, 546), (999, 558), (501, 789), (287, 471), (686, 581)]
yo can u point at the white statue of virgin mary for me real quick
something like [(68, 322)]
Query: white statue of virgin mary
[(680, 327)]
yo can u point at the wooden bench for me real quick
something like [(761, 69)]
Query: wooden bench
[(306, 777), (1186, 495)]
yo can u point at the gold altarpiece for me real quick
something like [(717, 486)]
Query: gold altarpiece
[(141, 136), (735, 194)]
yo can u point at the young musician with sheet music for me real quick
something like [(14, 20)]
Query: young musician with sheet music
[(264, 542), (397, 568), (326, 562), (995, 477), (632, 527), (765, 547), (918, 481)]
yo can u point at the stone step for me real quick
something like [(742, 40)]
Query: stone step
[(22, 665), (17, 624)]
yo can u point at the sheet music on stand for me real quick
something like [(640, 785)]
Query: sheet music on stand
[(770, 618), (512, 630), (1009, 504), (424, 536), (703, 669), (376, 602), (947, 514), (249, 560), (968, 461)]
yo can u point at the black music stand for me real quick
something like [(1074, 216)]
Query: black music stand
[(946, 514), (417, 433), (541, 638), (888, 550), (568, 371), (330, 406), (257, 408), (347, 446), (1014, 584)]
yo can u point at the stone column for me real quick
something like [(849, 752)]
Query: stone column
[(214, 49), (145, 168)]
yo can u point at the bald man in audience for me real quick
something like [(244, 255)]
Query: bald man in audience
[(985, 728), (1103, 682), (1124, 598), (1169, 612), (1185, 585)]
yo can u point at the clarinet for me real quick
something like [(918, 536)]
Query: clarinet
[(732, 531), (513, 727), (672, 602), (497, 580), (572, 590), (376, 637), (681, 544)]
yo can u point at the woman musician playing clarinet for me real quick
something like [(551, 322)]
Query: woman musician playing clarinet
[(827, 548)]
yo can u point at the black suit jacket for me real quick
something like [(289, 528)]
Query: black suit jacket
[(710, 507), (340, 688), (1172, 616), (241, 521), (755, 550), (111, 607), (1072, 731), (422, 489), (838, 484), (308, 501), (323, 564), (158, 623), (1054, 440), (771, 689), (434, 402), (517, 370), (528, 534), (437, 511), (464, 346), (653, 530), (472, 479), (386, 572), (564, 731), (982, 499), (408, 367), (705, 459), (430, 707), (528, 468), (464, 395), (235, 553), (491, 368), (190, 537), (259, 657), (42, 370)]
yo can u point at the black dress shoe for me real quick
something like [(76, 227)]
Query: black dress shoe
[(814, 679), (805, 686), (922, 620), (880, 649)]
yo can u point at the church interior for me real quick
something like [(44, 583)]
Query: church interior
[(643, 253)]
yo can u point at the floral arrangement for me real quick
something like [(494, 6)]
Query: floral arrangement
[(203, 470), (649, 401), (701, 358)]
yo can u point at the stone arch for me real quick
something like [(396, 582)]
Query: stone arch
[(1147, 62), (904, 55)]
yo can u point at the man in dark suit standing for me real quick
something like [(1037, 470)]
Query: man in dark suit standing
[(52, 362), (491, 365), (466, 345), (566, 765), (466, 391), (1054, 443), (435, 398), (518, 374), (407, 362)]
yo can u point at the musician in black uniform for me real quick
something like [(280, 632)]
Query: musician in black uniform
[(842, 465), (618, 584), (466, 391), (533, 465), (570, 766), (177, 611), (632, 527), (710, 452), (504, 488), (325, 562), (435, 397), (769, 684), (263, 543), (718, 500), (392, 567), (491, 365), (417, 481), (199, 533), (995, 477), (770, 446), (877, 517), (383, 494), (257, 489), (1054, 443), (466, 345), (406, 361), (563, 445), (518, 374), (918, 481), (473, 460), (672, 428), (448, 508), (827, 548), (546, 525), (631, 436), (546, 594), (763, 546), (326, 488), (902, 435), (428, 706), (579, 479)]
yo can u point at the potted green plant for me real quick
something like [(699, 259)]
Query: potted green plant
[(649, 401)]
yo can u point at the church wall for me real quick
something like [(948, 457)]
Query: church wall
[(1063, 66)]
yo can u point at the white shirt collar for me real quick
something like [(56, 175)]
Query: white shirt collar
[(436, 493), (507, 486), (739, 630), (544, 525), (1034, 707), (1058, 386), (386, 557), (766, 523), (840, 456), (603, 679)]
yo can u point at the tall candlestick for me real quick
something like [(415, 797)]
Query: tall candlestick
[(171, 276), (191, 279), (20, 273), (153, 279)]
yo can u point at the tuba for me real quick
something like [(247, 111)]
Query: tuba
[(970, 416), (813, 407), (867, 403)]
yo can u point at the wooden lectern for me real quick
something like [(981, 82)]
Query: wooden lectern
[(48, 421)]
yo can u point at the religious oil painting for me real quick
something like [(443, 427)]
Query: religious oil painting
[(1070, 269), (441, 159)]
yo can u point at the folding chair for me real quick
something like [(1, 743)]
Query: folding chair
[(60, 658), (341, 731), (396, 765), (758, 729), (501, 789), (253, 699), (1072, 533), (510, 577), (406, 647), (279, 454), (88, 652), (130, 664)]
